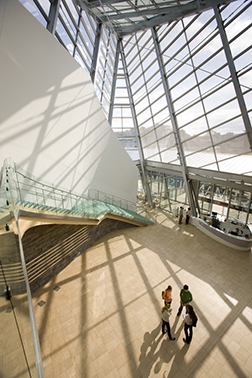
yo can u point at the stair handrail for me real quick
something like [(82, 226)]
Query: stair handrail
[(29, 187)]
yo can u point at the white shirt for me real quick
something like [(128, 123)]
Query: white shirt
[(188, 320), (166, 316)]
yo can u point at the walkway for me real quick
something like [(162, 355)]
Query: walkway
[(101, 316)]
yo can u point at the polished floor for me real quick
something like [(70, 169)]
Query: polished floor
[(101, 316)]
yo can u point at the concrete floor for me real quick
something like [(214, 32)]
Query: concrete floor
[(101, 316)]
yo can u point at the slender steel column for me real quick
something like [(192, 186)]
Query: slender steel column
[(96, 50), (53, 16), (35, 338), (112, 96), (234, 76), (139, 143), (174, 122), (249, 204), (167, 190), (77, 33), (105, 66)]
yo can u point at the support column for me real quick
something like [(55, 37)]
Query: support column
[(95, 53), (187, 182), (139, 143), (234, 76), (35, 338), (53, 16), (249, 204), (112, 96), (77, 33)]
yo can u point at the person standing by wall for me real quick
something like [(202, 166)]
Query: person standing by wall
[(185, 298), (188, 214), (181, 211), (166, 312)]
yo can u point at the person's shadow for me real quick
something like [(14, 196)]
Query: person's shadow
[(166, 358), (166, 353), (152, 352), (174, 326), (148, 348)]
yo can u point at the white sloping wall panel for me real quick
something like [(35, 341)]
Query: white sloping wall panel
[(51, 122)]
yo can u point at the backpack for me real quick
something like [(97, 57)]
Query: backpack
[(195, 321)]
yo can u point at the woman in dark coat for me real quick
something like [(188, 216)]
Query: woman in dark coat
[(189, 318)]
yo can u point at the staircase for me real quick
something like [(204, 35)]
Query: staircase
[(21, 191), (55, 226)]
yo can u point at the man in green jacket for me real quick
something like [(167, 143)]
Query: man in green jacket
[(185, 298)]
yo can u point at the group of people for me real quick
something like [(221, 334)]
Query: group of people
[(190, 317), (181, 213)]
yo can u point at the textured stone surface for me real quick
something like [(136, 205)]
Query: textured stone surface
[(48, 249)]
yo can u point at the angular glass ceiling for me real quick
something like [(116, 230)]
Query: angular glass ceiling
[(127, 17)]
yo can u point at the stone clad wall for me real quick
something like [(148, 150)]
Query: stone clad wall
[(49, 249), (11, 263)]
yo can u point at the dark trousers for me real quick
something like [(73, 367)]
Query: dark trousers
[(180, 308), (167, 325), (187, 219), (188, 337)]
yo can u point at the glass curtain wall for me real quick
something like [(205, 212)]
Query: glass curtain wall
[(148, 95), (122, 121), (168, 192), (206, 105), (105, 68), (207, 108), (78, 32)]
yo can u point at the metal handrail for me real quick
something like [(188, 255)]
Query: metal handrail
[(20, 185)]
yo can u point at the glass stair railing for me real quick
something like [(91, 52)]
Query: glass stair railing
[(89, 209), (20, 190)]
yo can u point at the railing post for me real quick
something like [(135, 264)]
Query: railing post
[(62, 200), (54, 195), (43, 194), (35, 338), (55, 199)]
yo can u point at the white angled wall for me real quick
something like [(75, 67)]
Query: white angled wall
[(51, 122)]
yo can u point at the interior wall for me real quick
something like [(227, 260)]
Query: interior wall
[(51, 122)]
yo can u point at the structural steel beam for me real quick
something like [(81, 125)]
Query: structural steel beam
[(35, 338), (53, 16), (112, 97), (241, 182), (234, 76), (166, 17), (96, 50), (174, 122), (139, 143)]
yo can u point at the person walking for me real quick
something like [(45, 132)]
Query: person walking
[(166, 312), (167, 296), (181, 211), (188, 215), (185, 298), (189, 319)]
